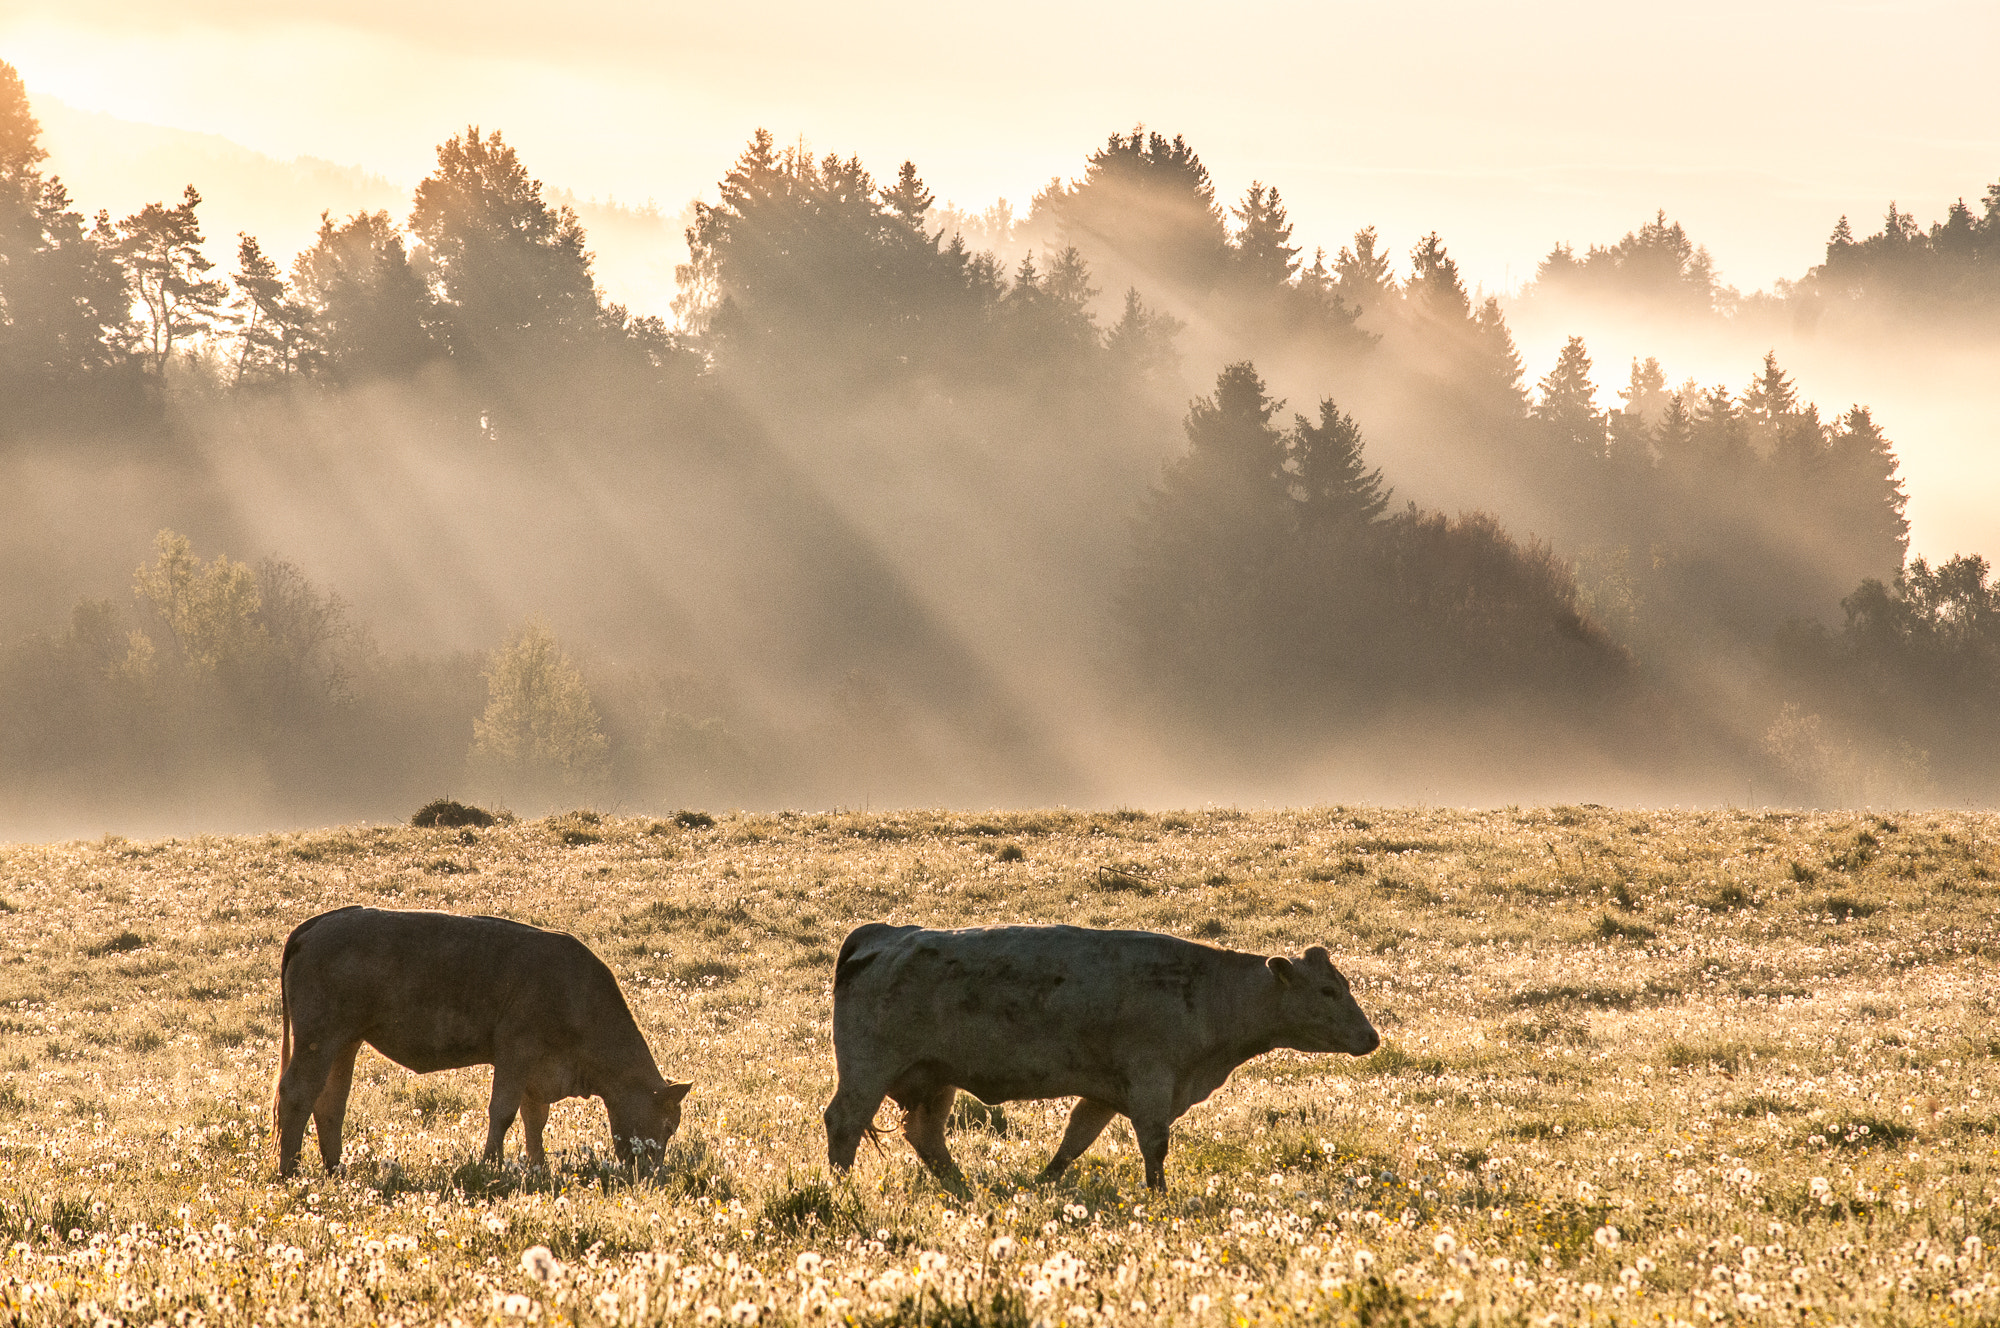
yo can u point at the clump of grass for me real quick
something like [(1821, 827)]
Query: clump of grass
[(1803, 874), (124, 942), (813, 1209), (1841, 908), (1010, 853), (688, 819), (704, 972), (1546, 1028), (1729, 1057), (1728, 898), (577, 828), (1865, 1130), (431, 1102), (1611, 929), (449, 814)]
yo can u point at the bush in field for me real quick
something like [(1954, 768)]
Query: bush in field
[(540, 731), (445, 813)]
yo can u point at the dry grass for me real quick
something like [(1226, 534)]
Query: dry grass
[(1640, 1066)]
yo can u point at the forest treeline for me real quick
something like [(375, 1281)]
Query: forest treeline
[(1944, 277), (879, 515)]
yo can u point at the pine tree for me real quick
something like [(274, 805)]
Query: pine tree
[(1264, 253), (1145, 210), (1331, 481), (1362, 275), (160, 248), (368, 310), (1208, 541), (508, 274), (1435, 291), (65, 307), (1566, 416), (1866, 496), (275, 325)]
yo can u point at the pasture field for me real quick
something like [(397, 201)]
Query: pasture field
[(1639, 1066)]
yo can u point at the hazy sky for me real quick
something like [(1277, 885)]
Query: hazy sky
[(1505, 127)]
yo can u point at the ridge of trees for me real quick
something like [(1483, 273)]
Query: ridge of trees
[(1269, 588)]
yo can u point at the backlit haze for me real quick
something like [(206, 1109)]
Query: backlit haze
[(874, 516)]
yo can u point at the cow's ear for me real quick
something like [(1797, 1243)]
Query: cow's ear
[(673, 1093), (1282, 967), (1318, 955)]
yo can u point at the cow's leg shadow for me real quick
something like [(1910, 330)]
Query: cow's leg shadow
[(924, 1120), (330, 1109), (1086, 1122)]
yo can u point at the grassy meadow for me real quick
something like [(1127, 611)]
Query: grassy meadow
[(1649, 1067)]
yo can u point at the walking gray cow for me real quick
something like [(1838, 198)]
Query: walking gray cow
[(436, 991), (1134, 1023)]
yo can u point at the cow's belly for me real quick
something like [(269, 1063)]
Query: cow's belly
[(425, 1046)]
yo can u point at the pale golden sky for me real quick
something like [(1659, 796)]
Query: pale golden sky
[(1505, 127)]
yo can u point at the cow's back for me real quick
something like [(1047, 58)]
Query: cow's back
[(439, 991), (1018, 1012)]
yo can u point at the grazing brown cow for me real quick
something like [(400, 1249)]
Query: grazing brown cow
[(435, 991), (1132, 1022)]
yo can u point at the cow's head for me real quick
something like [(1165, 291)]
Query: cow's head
[(643, 1119), (1317, 1007)]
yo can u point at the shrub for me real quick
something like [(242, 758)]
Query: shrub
[(692, 820), (444, 813)]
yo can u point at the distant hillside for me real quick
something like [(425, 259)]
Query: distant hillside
[(121, 165)]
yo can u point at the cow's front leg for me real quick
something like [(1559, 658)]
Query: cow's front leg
[(1153, 1113), (509, 1084), (923, 1125), (1086, 1122), (850, 1115)]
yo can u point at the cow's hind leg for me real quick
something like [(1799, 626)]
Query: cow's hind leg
[(850, 1115), (509, 1086), (1086, 1122), (923, 1125), (299, 1089), (330, 1108), (534, 1116)]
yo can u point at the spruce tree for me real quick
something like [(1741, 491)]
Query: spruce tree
[(1331, 481), (1264, 254), (1566, 416)]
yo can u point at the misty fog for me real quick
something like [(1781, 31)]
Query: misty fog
[(1117, 498)]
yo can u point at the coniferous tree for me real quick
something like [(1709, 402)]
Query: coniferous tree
[(160, 248), (368, 310), (509, 276), (1263, 250), (1363, 279), (64, 304), (1331, 482), (1569, 423), (1144, 212), (276, 326)]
